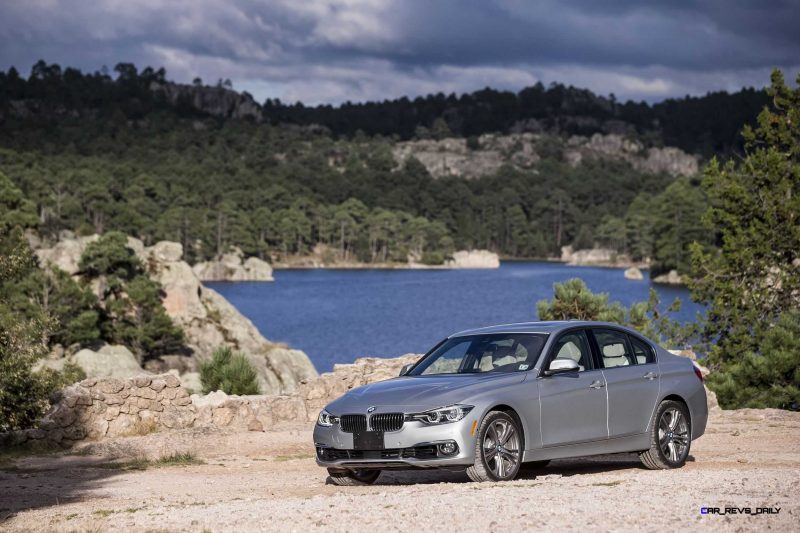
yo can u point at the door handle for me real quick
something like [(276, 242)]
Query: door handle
[(596, 384), (650, 376)]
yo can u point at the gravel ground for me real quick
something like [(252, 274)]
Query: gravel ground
[(268, 481)]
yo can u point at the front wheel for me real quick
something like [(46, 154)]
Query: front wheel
[(352, 478), (670, 437), (498, 449)]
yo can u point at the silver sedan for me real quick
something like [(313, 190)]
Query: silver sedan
[(498, 399)]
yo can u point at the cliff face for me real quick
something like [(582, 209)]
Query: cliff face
[(216, 101), (453, 156), (207, 319)]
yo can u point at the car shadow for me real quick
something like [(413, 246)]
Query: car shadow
[(560, 467)]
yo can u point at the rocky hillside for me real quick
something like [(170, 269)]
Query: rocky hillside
[(207, 319), (458, 157)]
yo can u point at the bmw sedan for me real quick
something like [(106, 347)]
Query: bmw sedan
[(498, 399)]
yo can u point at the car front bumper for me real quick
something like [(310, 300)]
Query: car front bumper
[(415, 445)]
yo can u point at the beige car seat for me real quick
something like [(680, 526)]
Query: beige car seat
[(614, 355)]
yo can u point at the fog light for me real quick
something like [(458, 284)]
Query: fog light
[(448, 448)]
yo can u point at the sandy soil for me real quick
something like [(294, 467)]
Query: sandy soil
[(269, 481)]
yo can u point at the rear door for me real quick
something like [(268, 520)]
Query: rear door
[(631, 376), (573, 404)]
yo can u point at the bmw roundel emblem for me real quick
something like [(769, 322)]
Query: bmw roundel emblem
[(370, 408)]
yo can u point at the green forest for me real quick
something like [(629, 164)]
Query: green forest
[(97, 153)]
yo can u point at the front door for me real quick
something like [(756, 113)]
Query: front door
[(632, 379), (573, 404)]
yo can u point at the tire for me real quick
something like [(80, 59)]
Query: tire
[(491, 464), (670, 437), (353, 478)]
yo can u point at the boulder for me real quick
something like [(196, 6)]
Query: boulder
[(231, 267), (670, 278), (191, 381), (109, 361), (65, 254), (633, 273), (474, 259), (592, 257)]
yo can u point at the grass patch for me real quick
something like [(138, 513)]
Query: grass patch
[(141, 463), (71, 516), (179, 459), (607, 484), (103, 512), (143, 427)]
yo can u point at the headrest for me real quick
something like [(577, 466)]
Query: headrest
[(614, 350)]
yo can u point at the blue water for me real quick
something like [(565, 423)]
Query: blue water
[(336, 316)]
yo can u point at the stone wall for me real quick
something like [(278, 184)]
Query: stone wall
[(102, 408), (111, 407)]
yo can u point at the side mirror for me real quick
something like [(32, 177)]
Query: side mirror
[(405, 369), (559, 366)]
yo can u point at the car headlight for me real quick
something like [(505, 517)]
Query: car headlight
[(326, 419), (443, 415)]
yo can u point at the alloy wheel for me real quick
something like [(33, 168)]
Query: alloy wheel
[(501, 449), (673, 435)]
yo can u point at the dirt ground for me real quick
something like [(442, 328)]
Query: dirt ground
[(269, 481)]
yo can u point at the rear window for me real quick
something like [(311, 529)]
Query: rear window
[(642, 351)]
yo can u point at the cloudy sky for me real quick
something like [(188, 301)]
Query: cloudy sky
[(337, 50)]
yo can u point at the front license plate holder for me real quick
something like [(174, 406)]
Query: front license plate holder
[(368, 440)]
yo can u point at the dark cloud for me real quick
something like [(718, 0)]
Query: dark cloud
[(336, 50)]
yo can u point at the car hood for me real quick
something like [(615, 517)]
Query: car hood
[(419, 393)]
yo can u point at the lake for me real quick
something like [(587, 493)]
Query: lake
[(336, 316)]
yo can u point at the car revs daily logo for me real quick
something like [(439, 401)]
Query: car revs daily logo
[(740, 510)]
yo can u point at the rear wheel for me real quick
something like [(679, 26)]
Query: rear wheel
[(351, 478), (498, 449), (670, 437)]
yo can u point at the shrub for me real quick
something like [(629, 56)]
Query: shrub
[(574, 301), (767, 378), (229, 372), (433, 258)]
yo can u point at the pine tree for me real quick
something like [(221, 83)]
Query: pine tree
[(753, 276)]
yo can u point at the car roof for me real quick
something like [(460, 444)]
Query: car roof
[(535, 327)]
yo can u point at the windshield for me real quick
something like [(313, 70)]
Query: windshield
[(500, 352)]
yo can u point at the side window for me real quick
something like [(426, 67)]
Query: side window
[(574, 345), (614, 348), (642, 351)]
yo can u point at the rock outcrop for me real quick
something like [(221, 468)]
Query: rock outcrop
[(455, 157), (672, 161), (633, 273), (593, 257), (231, 267), (474, 259), (670, 278), (109, 361), (216, 101), (207, 319)]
